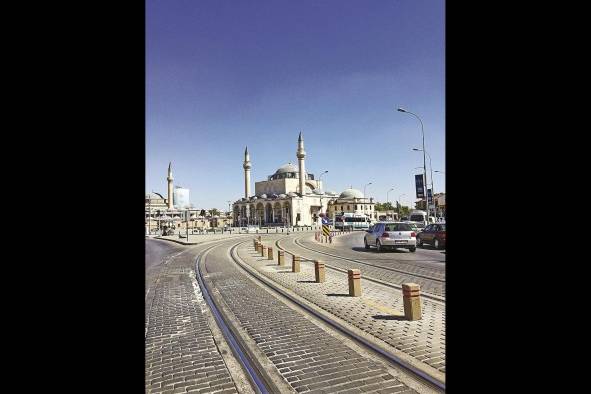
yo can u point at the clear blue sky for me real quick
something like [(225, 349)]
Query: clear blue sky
[(224, 74)]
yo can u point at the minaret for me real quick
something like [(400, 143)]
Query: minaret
[(170, 179), (301, 154), (246, 166)]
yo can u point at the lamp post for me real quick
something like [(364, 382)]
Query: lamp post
[(366, 185), (388, 197), (432, 186), (319, 179), (424, 158)]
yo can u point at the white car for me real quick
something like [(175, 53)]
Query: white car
[(391, 235)]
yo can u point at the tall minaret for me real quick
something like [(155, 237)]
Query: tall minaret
[(170, 179), (301, 154), (246, 166)]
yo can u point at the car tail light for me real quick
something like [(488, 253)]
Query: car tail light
[(413, 234), (386, 235)]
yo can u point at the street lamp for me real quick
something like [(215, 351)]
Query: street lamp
[(432, 186), (424, 158), (388, 197), (366, 185), (319, 179)]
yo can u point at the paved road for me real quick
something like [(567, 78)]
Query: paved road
[(425, 266), (299, 353)]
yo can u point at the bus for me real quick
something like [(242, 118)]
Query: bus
[(352, 222), (420, 217)]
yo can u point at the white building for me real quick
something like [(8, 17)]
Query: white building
[(287, 198)]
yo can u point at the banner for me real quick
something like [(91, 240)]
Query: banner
[(430, 196), (419, 184)]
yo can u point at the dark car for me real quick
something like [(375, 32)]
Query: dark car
[(433, 234)]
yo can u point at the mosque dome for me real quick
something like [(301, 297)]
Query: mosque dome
[(282, 195), (263, 196), (287, 168), (292, 194), (332, 193), (317, 191), (351, 193)]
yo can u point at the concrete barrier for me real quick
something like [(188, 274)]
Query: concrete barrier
[(295, 264), (354, 282), (280, 257), (411, 295), (264, 251), (270, 253), (319, 271)]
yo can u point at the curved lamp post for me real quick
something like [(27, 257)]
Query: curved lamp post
[(424, 158)]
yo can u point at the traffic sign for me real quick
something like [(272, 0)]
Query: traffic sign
[(325, 229)]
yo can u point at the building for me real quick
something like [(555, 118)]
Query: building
[(181, 198), (291, 197), (440, 204), (352, 201)]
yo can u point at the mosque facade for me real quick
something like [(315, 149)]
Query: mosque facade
[(288, 198)]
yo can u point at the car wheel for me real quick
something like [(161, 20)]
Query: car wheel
[(413, 249), (379, 246), (436, 243), (419, 242), (365, 242)]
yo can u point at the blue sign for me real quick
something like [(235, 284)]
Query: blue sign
[(420, 186), (324, 220)]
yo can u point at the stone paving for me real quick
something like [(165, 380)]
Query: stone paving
[(384, 273), (305, 356), (379, 311), (181, 354)]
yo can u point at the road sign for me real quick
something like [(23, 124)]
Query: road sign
[(325, 229), (324, 220)]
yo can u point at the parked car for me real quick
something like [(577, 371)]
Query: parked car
[(391, 235), (433, 234)]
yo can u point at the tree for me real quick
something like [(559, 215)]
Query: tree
[(214, 212), (384, 206)]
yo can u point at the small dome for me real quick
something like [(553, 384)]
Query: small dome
[(263, 196), (332, 193), (282, 195), (351, 193), (254, 198), (292, 194), (274, 195), (317, 191)]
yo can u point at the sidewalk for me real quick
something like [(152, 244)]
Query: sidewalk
[(378, 312)]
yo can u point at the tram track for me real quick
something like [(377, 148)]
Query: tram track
[(425, 294), (254, 370)]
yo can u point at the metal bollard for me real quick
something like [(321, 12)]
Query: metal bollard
[(411, 295), (354, 282), (264, 251), (281, 257), (295, 264), (330, 238), (319, 271), (259, 237), (270, 253)]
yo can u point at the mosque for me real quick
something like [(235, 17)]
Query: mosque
[(293, 197)]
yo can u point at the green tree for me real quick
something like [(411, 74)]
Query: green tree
[(214, 212), (384, 206)]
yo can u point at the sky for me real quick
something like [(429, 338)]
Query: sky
[(222, 75)]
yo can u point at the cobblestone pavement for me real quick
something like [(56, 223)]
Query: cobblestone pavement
[(379, 311), (387, 269), (181, 351), (301, 352)]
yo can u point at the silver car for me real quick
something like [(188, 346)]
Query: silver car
[(391, 235)]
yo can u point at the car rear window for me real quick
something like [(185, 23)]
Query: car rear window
[(442, 226), (398, 227)]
